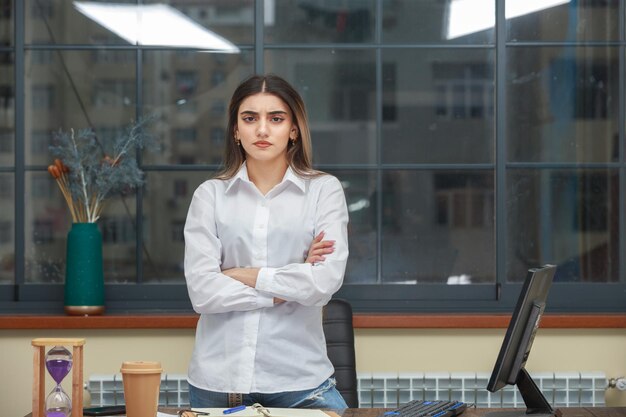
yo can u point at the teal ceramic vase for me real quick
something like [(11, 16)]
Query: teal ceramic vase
[(84, 278)]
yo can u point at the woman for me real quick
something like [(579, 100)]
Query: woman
[(265, 249)]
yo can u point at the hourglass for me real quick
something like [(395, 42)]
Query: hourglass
[(58, 361), (58, 364)]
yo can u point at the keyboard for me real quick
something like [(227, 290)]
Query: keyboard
[(421, 408)]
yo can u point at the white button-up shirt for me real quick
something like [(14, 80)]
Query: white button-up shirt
[(244, 342)]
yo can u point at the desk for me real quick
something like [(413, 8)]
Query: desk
[(479, 412)]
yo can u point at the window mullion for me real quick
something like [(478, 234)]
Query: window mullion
[(19, 131), (500, 148)]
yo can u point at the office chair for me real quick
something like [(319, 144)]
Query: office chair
[(337, 322)]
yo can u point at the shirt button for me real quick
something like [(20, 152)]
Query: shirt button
[(261, 226), (263, 204)]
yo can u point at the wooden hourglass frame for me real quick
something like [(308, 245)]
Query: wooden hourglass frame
[(39, 368)]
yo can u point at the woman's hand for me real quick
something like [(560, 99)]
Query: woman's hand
[(319, 248)]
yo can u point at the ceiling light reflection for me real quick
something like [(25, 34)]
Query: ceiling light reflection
[(154, 25), (464, 17)]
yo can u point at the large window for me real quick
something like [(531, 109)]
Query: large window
[(471, 147)]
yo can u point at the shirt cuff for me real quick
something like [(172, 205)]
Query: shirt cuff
[(264, 300), (264, 279)]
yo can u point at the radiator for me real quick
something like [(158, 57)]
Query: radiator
[(571, 389), (109, 390), (388, 390)]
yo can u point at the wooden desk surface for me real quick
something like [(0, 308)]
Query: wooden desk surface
[(479, 412)]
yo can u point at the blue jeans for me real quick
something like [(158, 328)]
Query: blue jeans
[(324, 396)]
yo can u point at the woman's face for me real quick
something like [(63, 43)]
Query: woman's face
[(264, 126)]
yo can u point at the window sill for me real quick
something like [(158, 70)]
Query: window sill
[(361, 321)]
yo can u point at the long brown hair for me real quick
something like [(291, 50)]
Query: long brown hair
[(299, 153)]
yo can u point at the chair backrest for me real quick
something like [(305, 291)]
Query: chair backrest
[(337, 321)]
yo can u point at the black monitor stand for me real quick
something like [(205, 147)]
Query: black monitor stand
[(536, 403)]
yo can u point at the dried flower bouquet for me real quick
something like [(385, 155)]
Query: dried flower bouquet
[(88, 171)]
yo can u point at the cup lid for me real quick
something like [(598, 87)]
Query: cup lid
[(141, 367)]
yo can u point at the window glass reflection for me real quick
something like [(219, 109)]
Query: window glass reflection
[(94, 22), (338, 88), (438, 106), (562, 104), (7, 115), (562, 20), (232, 20), (75, 90), (319, 21), (191, 102), (59, 22), (119, 236), (568, 218), (436, 21), (47, 222), (118, 225), (360, 190), (166, 201), (7, 86), (6, 22), (438, 227), (7, 228)]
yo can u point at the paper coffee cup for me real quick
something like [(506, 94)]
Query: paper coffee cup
[(141, 387)]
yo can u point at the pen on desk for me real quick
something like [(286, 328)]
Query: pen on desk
[(234, 409)]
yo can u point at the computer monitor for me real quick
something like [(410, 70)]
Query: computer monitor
[(509, 368)]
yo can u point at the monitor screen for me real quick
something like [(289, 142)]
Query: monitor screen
[(509, 368)]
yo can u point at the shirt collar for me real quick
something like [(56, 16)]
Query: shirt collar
[(295, 179), (290, 175)]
